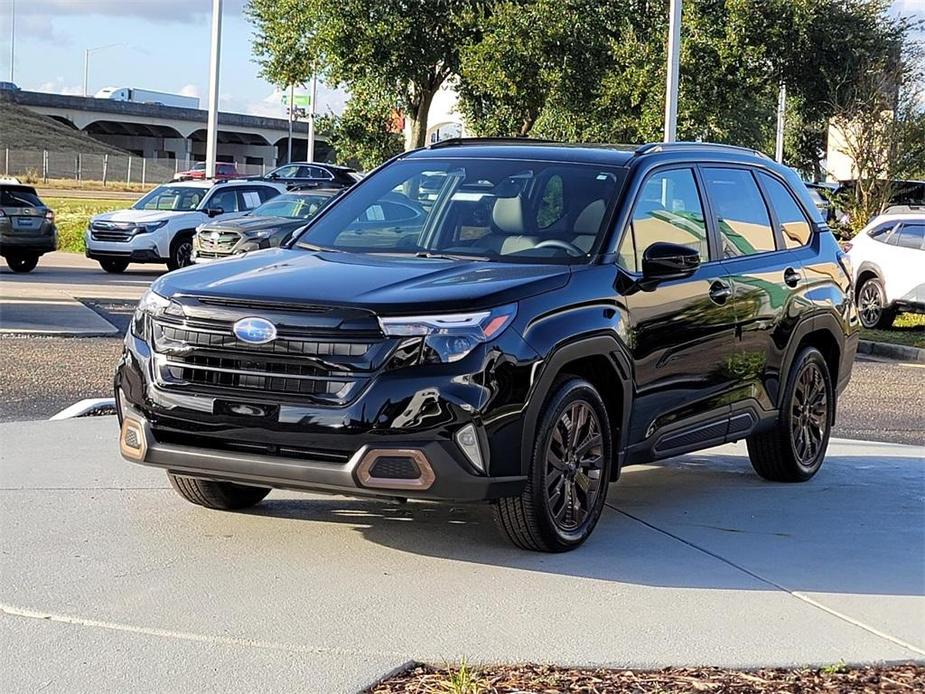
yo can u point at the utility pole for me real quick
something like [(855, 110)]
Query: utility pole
[(311, 118), (212, 137), (12, 36), (781, 115), (289, 139), (87, 52), (674, 64)]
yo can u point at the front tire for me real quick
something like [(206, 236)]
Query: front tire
[(569, 472), (872, 308), (794, 449), (181, 252), (24, 262), (114, 266), (223, 496)]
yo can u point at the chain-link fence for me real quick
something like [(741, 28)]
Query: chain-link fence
[(38, 166)]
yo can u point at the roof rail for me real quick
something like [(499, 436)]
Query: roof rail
[(652, 147), (459, 141)]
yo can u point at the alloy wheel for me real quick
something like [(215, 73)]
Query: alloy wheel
[(809, 415), (184, 253), (574, 461), (870, 304)]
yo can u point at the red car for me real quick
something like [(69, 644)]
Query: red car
[(223, 172)]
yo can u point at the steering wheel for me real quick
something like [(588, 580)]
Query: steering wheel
[(569, 248)]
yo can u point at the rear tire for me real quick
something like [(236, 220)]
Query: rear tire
[(114, 266), (872, 308), (22, 262), (224, 496), (181, 252), (794, 449), (569, 473)]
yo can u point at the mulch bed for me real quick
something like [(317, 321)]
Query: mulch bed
[(544, 679)]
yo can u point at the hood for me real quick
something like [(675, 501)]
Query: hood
[(139, 216), (386, 284), (244, 225)]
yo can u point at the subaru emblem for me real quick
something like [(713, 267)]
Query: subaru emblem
[(257, 331)]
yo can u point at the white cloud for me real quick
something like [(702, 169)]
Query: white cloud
[(329, 101), (154, 10), (58, 86), (190, 90)]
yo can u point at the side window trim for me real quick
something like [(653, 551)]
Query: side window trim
[(776, 227)]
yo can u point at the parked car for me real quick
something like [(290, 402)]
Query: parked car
[(263, 227), (558, 313), (888, 256), (223, 172), (27, 227), (159, 227), (312, 172)]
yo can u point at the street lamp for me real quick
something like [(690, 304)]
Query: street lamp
[(214, 62), (87, 52), (674, 61)]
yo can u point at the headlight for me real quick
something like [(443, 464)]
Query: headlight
[(148, 227), (450, 337), (260, 234), (151, 304)]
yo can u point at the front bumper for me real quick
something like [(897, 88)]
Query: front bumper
[(316, 447)]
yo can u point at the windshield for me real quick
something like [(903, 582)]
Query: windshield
[(515, 210), (293, 206), (178, 198)]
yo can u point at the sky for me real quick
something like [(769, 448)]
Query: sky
[(162, 45)]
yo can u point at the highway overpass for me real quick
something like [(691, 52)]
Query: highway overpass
[(153, 130)]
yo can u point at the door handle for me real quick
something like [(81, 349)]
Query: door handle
[(720, 292), (791, 277)]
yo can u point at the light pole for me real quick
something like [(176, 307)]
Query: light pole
[(311, 119), (781, 114), (87, 52), (212, 137), (674, 63)]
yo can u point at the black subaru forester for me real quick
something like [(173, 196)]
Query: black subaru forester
[(557, 313)]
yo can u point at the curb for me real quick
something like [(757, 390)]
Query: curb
[(884, 349)]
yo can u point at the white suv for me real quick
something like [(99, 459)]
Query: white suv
[(159, 227), (889, 267)]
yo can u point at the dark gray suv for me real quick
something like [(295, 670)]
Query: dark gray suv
[(27, 227)]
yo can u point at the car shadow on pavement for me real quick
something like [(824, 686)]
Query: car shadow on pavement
[(692, 522)]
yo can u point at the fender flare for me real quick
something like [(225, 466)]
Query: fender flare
[(599, 345), (821, 322)]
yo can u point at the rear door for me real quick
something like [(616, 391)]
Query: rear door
[(904, 263), (681, 333), (764, 238)]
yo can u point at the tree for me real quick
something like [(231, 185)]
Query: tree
[(408, 47), (282, 45), (364, 135)]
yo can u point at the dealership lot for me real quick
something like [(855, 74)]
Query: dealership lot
[(115, 583)]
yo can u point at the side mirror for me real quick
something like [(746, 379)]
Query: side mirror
[(669, 261), (214, 211)]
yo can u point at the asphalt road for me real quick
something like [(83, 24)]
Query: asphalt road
[(112, 583)]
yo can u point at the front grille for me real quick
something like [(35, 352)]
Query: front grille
[(218, 244), (210, 254), (205, 356), (112, 231)]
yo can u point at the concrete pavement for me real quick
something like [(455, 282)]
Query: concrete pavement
[(44, 301), (112, 582)]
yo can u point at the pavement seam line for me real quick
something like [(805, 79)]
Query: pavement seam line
[(796, 594), (13, 611)]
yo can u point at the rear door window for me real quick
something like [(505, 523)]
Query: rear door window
[(794, 226), (909, 236), (227, 200), (249, 199), (741, 215)]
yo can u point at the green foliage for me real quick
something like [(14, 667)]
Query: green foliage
[(363, 135), (72, 216), (408, 48)]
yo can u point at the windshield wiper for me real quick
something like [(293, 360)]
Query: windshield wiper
[(448, 256), (312, 247)]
